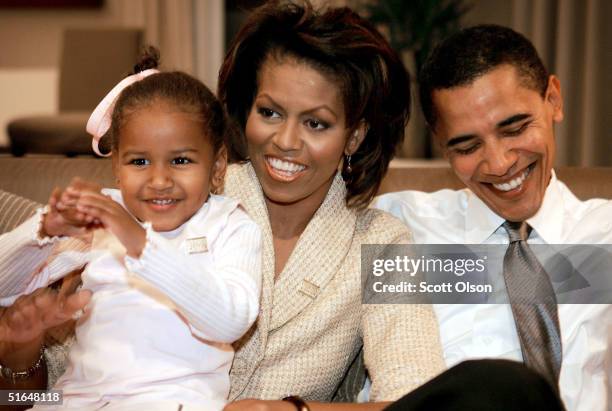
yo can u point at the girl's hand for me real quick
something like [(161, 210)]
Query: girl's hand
[(62, 222), (112, 216), (63, 219), (31, 315)]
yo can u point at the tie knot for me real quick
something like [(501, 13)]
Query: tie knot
[(517, 231)]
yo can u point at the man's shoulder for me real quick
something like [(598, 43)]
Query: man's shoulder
[(594, 209), (598, 208), (411, 204)]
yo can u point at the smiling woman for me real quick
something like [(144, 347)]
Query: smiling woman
[(318, 91), (296, 130)]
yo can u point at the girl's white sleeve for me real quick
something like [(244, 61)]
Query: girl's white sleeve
[(219, 300), (28, 262)]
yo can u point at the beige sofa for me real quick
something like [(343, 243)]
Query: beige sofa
[(34, 177)]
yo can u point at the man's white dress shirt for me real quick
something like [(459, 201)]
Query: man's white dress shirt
[(159, 327), (488, 330)]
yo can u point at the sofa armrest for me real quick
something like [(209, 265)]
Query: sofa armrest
[(14, 210)]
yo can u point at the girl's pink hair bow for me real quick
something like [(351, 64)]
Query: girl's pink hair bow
[(100, 120)]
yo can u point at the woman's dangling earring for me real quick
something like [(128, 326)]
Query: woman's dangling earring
[(349, 169)]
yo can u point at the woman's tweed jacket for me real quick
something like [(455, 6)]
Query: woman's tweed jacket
[(312, 322)]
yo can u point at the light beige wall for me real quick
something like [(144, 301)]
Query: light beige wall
[(32, 37), (30, 44), (188, 32), (26, 91)]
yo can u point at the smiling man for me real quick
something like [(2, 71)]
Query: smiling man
[(498, 135), (492, 106)]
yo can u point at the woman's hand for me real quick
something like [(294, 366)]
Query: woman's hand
[(23, 326), (31, 315), (111, 215)]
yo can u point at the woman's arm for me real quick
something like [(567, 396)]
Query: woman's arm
[(401, 342), (402, 351), (402, 348)]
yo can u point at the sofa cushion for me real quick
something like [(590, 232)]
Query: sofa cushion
[(34, 177)]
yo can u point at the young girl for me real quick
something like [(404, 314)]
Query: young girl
[(174, 271)]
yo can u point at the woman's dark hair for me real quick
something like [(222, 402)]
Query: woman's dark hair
[(473, 52), (180, 89), (347, 49)]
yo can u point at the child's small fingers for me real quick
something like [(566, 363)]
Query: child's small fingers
[(89, 211), (83, 185), (72, 194), (94, 201), (82, 216), (55, 194), (73, 191), (95, 195), (62, 204), (76, 183), (70, 197)]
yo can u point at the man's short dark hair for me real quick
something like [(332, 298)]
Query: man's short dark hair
[(473, 52)]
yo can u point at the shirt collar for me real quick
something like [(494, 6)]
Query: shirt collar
[(481, 222), (548, 220)]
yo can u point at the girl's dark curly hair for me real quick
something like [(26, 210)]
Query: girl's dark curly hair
[(177, 88)]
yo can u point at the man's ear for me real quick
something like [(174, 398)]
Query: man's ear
[(219, 168), (554, 97), (356, 138), (437, 141)]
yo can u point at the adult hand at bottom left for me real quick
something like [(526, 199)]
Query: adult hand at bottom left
[(31, 315)]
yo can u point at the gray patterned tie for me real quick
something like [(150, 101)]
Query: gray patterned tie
[(534, 305)]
